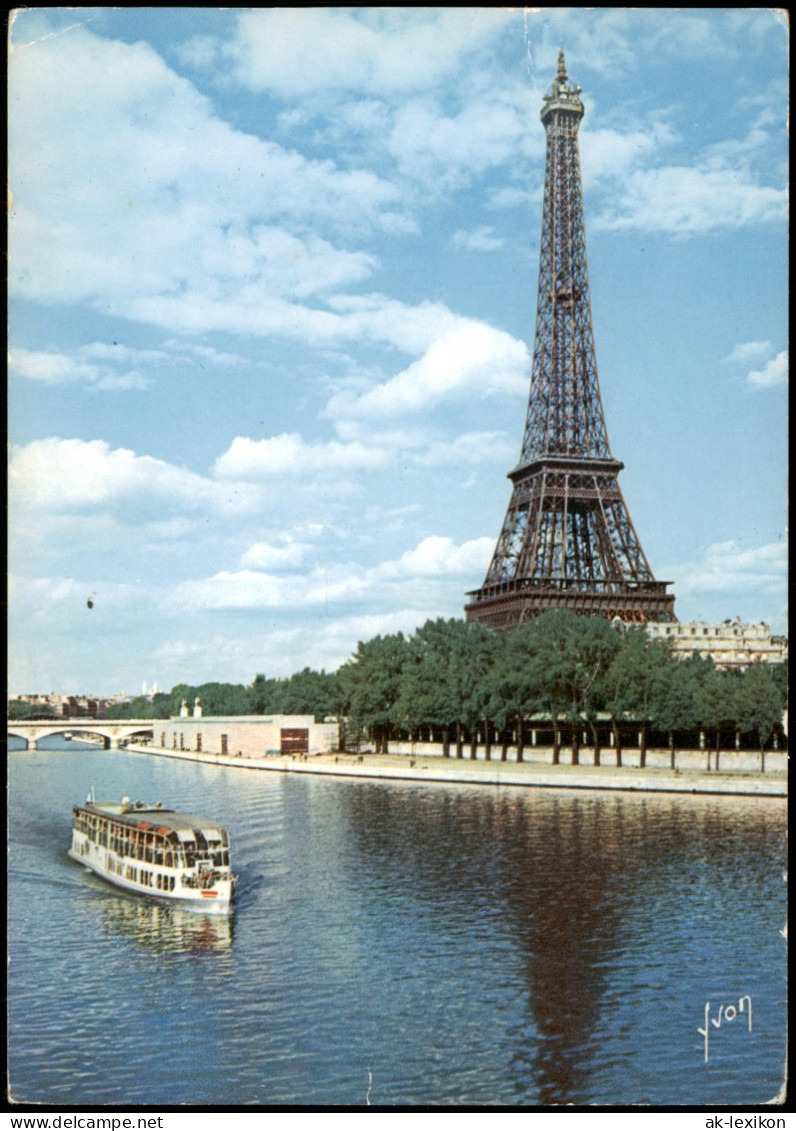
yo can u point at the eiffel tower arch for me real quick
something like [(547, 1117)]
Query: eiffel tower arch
[(567, 539)]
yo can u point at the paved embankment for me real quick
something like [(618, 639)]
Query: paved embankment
[(402, 767)]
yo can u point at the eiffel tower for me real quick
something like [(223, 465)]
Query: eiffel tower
[(567, 539)]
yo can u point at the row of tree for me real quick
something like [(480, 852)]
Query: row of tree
[(575, 674), (306, 692), (467, 684)]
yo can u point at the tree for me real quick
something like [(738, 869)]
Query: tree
[(22, 709), (760, 705), (717, 702), (570, 657), (473, 657), (141, 707), (628, 682), (431, 684), (512, 687), (674, 696), (264, 695), (370, 684), (308, 692)]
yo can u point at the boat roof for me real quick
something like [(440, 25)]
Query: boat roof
[(138, 814)]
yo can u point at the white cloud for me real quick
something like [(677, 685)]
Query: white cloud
[(289, 454), (63, 475), (438, 556), (99, 365), (287, 555), (129, 191), (774, 372), (686, 200), (468, 449), (725, 567), (297, 51), (442, 150), (473, 358), (632, 40), (51, 368), (614, 153), (436, 559), (748, 351), (480, 239)]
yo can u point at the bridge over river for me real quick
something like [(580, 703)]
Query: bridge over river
[(113, 734)]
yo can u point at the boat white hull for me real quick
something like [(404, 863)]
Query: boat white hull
[(153, 881)]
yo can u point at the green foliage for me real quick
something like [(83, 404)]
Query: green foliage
[(445, 675), (514, 687), (759, 702), (675, 703), (159, 707), (779, 674), (370, 682), (718, 698), (571, 655), (21, 709), (453, 674), (634, 680)]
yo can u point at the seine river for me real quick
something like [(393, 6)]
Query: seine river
[(400, 944)]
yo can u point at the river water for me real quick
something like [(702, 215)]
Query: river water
[(399, 944)]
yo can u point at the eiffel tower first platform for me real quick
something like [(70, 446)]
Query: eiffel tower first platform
[(567, 539)]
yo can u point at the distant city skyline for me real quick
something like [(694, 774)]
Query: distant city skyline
[(272, 294)]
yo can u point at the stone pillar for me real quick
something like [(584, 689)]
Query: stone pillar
[(197, 708), (31, 744), (183, 710)]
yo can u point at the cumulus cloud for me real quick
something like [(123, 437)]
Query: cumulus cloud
[(448, 150), (434, 559), (629, 39), (748, 351), (276, 557), (298, 51), (685, 200), (128, 189), (726, 567), (290, 454), (439, 556), (615, 153), (480, 239), (774, 372), (474, 358), (63, 475), (98, 365)]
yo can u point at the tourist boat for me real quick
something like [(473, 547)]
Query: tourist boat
[(155, 852)]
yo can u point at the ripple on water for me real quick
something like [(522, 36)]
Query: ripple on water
[(434, 944)]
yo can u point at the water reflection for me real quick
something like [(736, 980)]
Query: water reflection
[(164, 928), (468, 946), (587, 887)]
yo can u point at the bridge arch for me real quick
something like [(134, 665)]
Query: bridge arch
[(111, 733)]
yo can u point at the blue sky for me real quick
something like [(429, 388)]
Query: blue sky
[(273, 282)]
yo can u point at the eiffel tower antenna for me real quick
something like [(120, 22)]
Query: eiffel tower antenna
[(567, 539)]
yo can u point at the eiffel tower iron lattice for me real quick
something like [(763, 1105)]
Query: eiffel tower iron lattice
[(567, 539)]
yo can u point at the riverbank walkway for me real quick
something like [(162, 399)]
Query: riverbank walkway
[(402, 767)]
